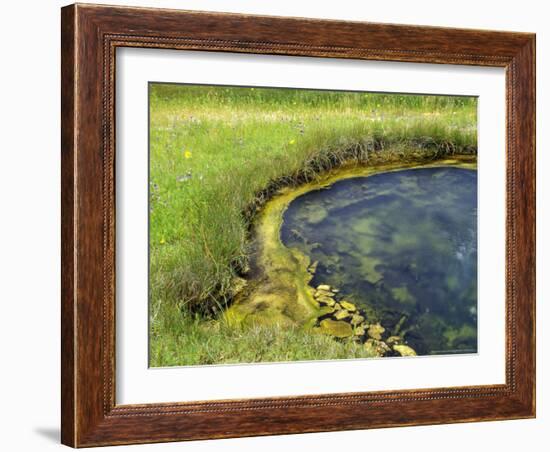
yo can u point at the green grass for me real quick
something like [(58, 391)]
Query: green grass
[(213, 152), (204, 341)]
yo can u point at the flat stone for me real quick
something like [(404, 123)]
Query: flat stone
[(348, 306), (376, 330), (323, 293), (356, 319), (323, 287), (336, 328), (342, 314), (326, 301), (404, 350)]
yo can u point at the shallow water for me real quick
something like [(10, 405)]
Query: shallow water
[(401, 244)]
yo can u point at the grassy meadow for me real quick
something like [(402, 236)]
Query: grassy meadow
[(216, 153)]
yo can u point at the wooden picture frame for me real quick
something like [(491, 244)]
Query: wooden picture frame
[(90, 36)]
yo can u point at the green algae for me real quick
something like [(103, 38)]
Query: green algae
[(280, 294)]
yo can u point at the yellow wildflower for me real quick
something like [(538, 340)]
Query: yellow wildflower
[(292, 141), (162, 241), (187, 154)]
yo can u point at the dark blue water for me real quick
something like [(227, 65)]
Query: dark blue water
[(401, 244)]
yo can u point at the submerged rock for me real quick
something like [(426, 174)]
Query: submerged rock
[(336, 328), (342, 314)]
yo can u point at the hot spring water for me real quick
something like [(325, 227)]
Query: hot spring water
[(403, 246)]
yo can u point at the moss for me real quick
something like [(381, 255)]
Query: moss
[(281, 293)]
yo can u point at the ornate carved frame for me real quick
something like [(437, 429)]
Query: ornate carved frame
[(90, 36)]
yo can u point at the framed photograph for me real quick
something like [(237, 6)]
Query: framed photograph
[(281, 225)]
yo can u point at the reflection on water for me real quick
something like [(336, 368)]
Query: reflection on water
[(403, 245)]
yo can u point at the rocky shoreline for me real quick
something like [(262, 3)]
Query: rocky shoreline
[(343, 320)]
